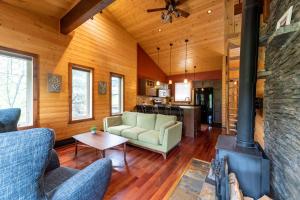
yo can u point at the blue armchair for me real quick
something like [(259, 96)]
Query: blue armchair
[(9, 119), (30, 169)]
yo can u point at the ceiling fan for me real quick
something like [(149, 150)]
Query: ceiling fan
[(170, 10)]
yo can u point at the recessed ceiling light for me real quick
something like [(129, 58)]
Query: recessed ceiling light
[(209, 12), (159, 30)]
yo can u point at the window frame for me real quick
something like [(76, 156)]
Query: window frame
[(35, 83), (87, 69), (112, 74), (190, 93)]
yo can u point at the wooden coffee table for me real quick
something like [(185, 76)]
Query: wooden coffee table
[(101, 141)]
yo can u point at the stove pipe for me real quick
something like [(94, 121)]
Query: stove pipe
[(248, 71)]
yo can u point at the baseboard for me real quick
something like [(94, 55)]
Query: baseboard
[(64, 142)]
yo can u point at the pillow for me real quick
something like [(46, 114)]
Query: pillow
[(163, 129)]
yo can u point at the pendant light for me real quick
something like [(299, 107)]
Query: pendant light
[(194, 72), (185, 71), (158, 82), (171, 45)]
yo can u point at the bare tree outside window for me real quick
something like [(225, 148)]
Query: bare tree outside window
[(81, 94), (16, 85)]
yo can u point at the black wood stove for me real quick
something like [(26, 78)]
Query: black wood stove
[(240, 153)]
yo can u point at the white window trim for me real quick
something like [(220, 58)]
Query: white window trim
[(186, 99), (121, 99), (91, 93)]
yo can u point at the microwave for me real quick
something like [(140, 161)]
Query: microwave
[(163, 93)]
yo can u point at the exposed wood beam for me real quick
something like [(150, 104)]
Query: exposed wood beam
[(266, 10), (83, 11), (238, 8)]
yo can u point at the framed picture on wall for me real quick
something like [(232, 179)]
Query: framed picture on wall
[(54, 83), (102, 87)]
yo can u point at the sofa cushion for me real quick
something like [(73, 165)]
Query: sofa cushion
[(163, 119), (133, 133), (146, 121), (151, 137), (129, 118), (118, 129)]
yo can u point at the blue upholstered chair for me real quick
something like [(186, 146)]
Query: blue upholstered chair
[(30, 169), (9, 119)]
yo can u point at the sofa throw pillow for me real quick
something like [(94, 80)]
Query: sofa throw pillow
[(163, 129)]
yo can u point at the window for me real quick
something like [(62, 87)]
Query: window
[(18, 85), (81, 90), (117, 93), (182, 92)]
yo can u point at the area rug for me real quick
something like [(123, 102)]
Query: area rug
[(194, 183)]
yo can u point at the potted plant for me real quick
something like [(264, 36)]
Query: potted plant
[(93, 129)]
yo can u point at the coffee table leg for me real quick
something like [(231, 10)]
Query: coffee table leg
[(76, 147), (124, 150)]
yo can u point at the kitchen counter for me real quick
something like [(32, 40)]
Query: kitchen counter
[(189, 107), (191, 120)]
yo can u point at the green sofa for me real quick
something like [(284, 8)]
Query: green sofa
[(155, 132)]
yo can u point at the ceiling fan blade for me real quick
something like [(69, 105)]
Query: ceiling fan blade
[(183, 13), (155, 9), (180, 2)]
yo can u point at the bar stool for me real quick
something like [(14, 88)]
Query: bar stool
[(148, 109), (176, 110), (140, 108)]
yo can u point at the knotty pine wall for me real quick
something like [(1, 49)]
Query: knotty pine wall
[(100, 43)]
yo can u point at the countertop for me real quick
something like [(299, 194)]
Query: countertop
[(181, 106)]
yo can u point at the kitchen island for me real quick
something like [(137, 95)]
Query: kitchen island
[(191, 120)]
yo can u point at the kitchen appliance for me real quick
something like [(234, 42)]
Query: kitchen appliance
[(163, 93), (147, 88), (204, 97)]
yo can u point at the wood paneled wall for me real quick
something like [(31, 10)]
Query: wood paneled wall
[(100, 43), (147, 68), (199, 76)]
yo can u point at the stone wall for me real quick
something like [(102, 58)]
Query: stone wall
[(282, 107)]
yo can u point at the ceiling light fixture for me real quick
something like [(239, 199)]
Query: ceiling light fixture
[(209, 12), (185, 71), (170, 80), (157, 82), (159, 30), (194, 72)]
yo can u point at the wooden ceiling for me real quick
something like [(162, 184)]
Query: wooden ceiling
[(204, 31), (50, 8)]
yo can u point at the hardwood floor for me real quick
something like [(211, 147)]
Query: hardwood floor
[(147, 175)]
